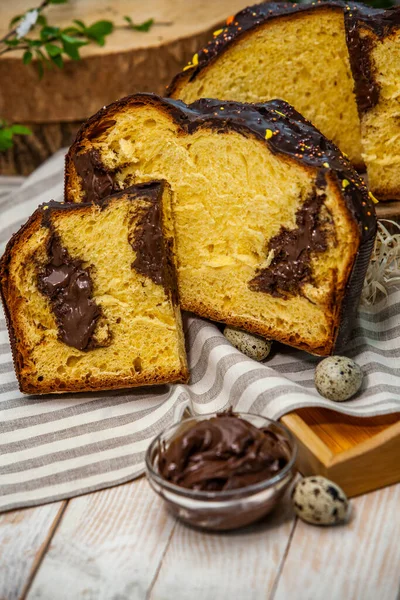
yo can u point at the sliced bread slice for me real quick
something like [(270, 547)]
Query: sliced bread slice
[(90, 295), (374, 43)]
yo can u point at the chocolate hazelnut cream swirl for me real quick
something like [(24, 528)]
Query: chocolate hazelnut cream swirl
[(225, 452)]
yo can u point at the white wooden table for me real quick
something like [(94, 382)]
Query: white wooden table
[(120, 544)]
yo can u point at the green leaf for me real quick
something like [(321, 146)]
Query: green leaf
[(7, 133), (71, 50), (41, 20), (58, 1), (98, 30), (5, 140), (44, 61), (74, 41), (145, 26), (49, 32), (80, 24), (53, 50), (14, 21), (58, 61), (13, 42), (27, 58), (5, 144), (72, 30), (20, 130)]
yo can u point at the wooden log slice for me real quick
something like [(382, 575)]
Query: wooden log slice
[(129, 62)]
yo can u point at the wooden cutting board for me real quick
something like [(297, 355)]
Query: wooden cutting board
[(359, 454)]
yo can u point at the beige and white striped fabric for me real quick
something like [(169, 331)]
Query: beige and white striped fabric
[(58, 447)]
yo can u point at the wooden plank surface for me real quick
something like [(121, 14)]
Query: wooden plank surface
[(24, 535), (359, 561), (109, 545), (121, 543), (210, 566)]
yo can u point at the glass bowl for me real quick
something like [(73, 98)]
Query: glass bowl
[(227, 509)]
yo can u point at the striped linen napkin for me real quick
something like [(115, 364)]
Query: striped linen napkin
[(57, 447)]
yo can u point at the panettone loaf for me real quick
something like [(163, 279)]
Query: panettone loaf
[(274, 228), (296, 52), (90, 295), (373, 39)]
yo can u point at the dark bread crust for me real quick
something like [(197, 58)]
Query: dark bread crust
[(151, 191), (17, 350), (295, 138)]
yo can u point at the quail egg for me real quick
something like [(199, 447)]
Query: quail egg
[(319, 501), (338, 378), (252, 345)]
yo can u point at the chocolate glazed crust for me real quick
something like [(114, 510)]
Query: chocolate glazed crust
[(284, 131)]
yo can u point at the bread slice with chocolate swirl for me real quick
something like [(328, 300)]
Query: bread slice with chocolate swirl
[(274, 228), (374, 38), (90, 295)]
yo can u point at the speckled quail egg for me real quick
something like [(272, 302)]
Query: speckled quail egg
[(252, 345), (320, 501), (338, 378)]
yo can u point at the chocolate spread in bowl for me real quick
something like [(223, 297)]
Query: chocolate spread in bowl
[(223, 453)]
